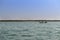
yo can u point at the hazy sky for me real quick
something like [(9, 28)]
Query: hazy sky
[(30, 9)]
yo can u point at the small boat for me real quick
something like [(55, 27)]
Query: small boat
[(43, 21)]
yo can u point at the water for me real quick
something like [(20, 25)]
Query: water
[(29, 31)]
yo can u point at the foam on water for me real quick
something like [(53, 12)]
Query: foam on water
[(29, 31)]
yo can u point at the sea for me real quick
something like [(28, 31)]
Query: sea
[(29, 31)]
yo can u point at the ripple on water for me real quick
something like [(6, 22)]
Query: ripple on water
[(4, 32), (39, 38), (25, 30), (28, 39), (58, 32), (27, 35), (12, 35)]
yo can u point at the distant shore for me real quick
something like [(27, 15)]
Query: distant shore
[(29, 20)]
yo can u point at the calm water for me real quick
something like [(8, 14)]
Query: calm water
[(29, 31)]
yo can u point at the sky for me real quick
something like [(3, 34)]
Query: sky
[(29, 9)]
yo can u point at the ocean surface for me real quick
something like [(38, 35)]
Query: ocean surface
[(29, 31)]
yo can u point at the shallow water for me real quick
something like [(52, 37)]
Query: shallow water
[(29, 31)]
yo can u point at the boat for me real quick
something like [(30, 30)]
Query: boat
[(43, 21)]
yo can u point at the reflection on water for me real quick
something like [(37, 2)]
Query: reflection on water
[(29, 31)]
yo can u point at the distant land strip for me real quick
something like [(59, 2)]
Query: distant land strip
[(29, 20)]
